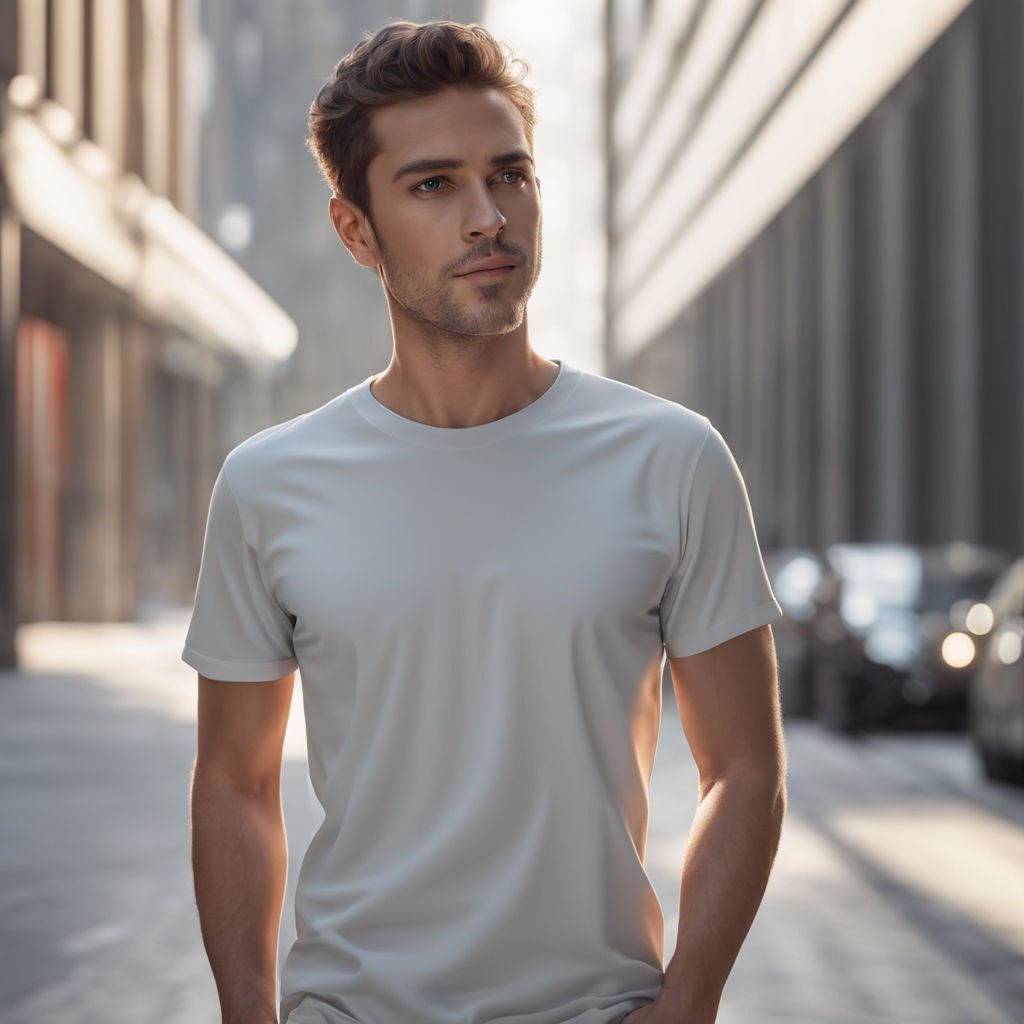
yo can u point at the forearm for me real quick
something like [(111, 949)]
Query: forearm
[(732, 845), (239, 862)]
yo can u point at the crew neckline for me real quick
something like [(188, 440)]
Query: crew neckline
[(380, 416)]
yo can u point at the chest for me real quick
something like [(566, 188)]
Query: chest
[(399, 544)]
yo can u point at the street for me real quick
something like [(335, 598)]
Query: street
[(898, 894)]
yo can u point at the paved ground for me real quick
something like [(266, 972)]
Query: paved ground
[(898, 895)]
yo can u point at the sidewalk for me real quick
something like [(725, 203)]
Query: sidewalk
[(895, 898), (97, 919)]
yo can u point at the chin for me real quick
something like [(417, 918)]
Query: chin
[(496, 325), (481, 323)]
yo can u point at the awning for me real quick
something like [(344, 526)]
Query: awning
[(64, 190)]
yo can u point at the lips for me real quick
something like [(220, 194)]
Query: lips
[(488, 266)]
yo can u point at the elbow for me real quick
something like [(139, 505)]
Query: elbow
[(768, 793), (768, 779), (765, 807), (755, 791), (778, 806), (213, 779), (773, 787)]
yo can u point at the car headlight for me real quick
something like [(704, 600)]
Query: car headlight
[(967, 616), (980, 619), (958, 650), (1009, 643)]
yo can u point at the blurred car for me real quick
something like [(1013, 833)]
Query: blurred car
[(795, 575), (996, 716), (897, 627)]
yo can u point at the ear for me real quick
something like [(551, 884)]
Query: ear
[(353, 228)]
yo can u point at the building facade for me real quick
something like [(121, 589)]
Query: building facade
[(118, 316), (816, 221)]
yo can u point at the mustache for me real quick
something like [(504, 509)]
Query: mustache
[(483, 251)]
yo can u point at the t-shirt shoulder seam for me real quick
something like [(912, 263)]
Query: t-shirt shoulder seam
[(255, 440), (684, 520), (652, 400), (238, 505), (251, 446)]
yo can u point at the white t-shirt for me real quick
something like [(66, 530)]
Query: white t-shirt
[(478, 616)]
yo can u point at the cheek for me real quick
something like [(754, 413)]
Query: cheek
[(408, 227), (529, 210)]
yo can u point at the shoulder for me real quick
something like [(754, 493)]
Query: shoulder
[(629, 407), (270, 451), (252, 457)]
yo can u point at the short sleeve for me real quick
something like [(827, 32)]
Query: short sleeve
[(719, 589), (238, 631)]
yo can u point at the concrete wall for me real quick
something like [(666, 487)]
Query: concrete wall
[(854, 328)]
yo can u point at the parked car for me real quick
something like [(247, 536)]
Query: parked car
[(996, 716), (897, 627), (795, 575)]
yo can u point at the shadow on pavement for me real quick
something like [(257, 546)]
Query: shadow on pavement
[(97, 919)]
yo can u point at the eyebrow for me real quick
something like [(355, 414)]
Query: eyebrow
[(430, 164)]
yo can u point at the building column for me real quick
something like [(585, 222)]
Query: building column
[(9, 17), (893, 381), (795, 398), (954, 293), (1016, 445), (133, 439), (737, 361), (203, 471), (762, 481), (985, 55), (10, 312), (835, 378), (94, 535)]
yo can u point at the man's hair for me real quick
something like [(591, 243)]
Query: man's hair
[(399, 62)]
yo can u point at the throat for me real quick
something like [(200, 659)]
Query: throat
[(457, 397)]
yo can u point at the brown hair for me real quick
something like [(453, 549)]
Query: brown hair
[(399, 62)]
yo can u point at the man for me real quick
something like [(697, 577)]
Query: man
[(477, 559)]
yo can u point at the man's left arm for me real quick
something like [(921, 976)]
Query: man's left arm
[(729, 705)]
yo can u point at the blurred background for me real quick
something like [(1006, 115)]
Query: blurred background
[(803, 218)]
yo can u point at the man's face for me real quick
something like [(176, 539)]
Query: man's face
[(456, 211)]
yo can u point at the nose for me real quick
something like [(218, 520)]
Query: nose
[(483, 218)]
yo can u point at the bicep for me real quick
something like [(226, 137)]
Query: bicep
[(729, 705), (241, 727)]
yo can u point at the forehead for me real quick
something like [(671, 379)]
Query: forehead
[(465, 124)]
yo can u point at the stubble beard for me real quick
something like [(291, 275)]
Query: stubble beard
[(434, 308)]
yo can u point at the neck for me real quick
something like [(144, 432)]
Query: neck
[(463, 381)]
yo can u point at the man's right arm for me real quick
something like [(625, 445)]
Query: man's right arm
[(239, 853)]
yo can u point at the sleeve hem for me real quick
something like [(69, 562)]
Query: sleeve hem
[(695, 643), (238, 671)]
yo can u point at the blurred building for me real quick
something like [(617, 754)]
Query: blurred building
[(118, 316), (816, 217), (256, 66)]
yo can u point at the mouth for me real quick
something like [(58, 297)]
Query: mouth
[(494, 268)]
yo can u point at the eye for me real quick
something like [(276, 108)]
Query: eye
[(431, 185), (511, 177)]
